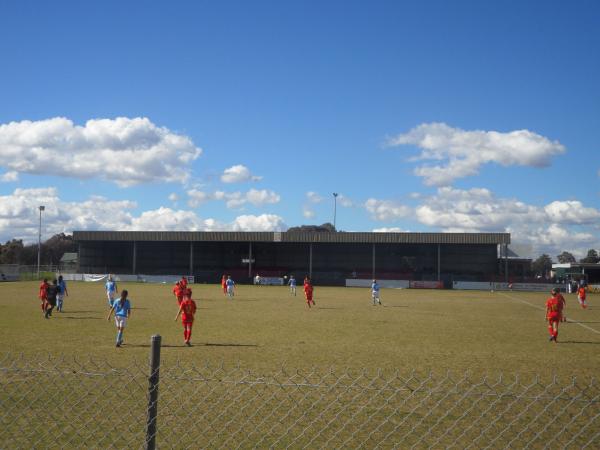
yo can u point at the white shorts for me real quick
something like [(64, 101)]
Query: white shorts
[(120, 321), (230, 290), (111, 296), (375, 295)]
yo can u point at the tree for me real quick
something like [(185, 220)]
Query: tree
[(542, 265), (592, 257), (11, 252), (325, 228), (566, 257)]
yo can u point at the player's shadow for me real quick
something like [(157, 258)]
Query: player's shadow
[(217, 344), (149, 345), (79, 318), (578, 342), (82, 312), (397, 306)]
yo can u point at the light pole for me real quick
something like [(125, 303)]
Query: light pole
[(335, 195), (41, 208)]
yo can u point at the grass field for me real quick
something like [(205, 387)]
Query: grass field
[(265, 328), (267, 372)]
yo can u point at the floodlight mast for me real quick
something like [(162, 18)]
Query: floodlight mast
[(335, 195), (41, 208)]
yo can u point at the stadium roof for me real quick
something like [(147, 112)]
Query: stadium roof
[(298, 237)]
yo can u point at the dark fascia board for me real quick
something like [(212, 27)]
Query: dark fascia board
[(298, 237)]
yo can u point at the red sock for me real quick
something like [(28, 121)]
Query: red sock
[(189, 336), (550, 330)]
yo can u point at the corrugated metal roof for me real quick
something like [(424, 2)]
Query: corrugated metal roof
[(268, 236)]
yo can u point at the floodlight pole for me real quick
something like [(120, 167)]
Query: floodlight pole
[(41, 208), (335, 195)]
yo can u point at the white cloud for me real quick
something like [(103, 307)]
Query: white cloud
[(571, 212), (233, 200), (197, 198), (9, 177), (19, 216), (461, 153), (262, 197), (456, 210), (558, 226), (126, 151), (389, 230), (264, 222), (386, 210), (313, 197), (238, 174), (344, 201), (307, 212)]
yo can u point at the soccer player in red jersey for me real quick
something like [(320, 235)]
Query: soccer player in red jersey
[(553, 313), (581, 297), (187, 309), (43, 291), (178, 291), (308, 292), (224, 284), (183, 283)]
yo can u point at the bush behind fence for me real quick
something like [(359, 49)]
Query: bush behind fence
[(67, 403)]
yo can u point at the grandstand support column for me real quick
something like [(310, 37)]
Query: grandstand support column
[(191, 258), (506, 263), (438, 262), (134, 268), (310, 260), (373, 263), (250, 260)]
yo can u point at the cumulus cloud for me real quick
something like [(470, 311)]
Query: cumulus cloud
[(461, 153), (386, 210), (571, 212), (238, 174), (173, 197), (9, 177), (388, 230), (19, 216), (263, 222), (552, 228), (126, 151), (233, 200), (313, 197)]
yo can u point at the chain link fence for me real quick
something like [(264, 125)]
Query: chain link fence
[(66, 403)]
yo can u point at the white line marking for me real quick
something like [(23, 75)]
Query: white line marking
[(543, 309)]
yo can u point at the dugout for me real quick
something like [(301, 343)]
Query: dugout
[(329, 258)]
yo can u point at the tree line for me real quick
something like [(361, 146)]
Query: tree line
[(543, 264), (15, 252)]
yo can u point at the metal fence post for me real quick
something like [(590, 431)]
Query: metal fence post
[(153, 392)]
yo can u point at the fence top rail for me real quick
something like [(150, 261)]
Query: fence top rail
[(228, 372)]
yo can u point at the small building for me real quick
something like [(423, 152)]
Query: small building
[(68, 262), (577, 271)]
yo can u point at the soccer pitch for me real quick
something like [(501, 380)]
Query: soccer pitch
[(265, 328)]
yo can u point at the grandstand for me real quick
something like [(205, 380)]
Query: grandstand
[(330, 258)]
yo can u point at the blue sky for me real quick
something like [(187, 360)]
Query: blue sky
[(424, 116)]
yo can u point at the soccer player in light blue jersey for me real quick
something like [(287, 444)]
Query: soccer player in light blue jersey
[(375, 293), (230, 286), (62, 291), (292, 284), (122, 309), (111, 290)]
